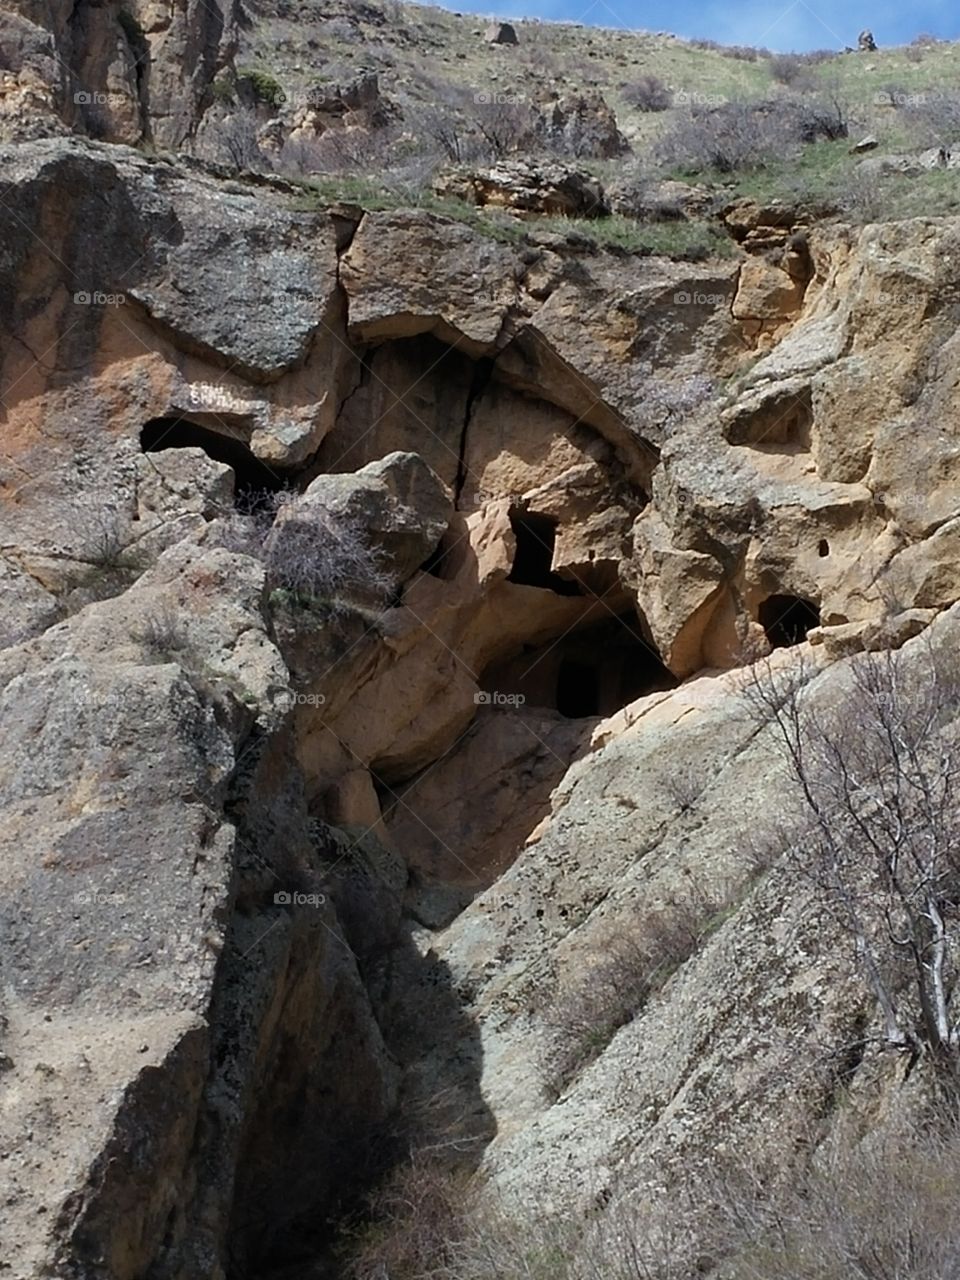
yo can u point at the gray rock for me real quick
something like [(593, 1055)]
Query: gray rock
[(501, 33), (400, 504)]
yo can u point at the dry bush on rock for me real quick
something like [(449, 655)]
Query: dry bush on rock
[(583, 1020), (311, 557), (885, 1210)]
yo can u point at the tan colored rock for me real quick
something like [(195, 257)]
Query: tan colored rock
[(546, 187), (409, 272)]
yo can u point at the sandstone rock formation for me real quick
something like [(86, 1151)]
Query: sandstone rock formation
[(528, 188), (122, 73), (281, 866)]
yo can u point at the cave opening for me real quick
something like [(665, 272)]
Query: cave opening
[(252, 477), (578, 689), (592, 671), (787, 619), (536, 540)]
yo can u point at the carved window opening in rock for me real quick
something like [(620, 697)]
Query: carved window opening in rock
[(593, 671), (536, 539), (253, 477), (787, 619), (824, 548)]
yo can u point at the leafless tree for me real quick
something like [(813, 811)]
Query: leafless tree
[(236, 143), (876, 780)]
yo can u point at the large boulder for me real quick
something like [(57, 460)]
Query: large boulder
[(584, 125), (501, 33), (400, 506), (524, 186)]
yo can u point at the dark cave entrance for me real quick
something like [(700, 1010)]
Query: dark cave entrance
[(536, 537), (253, 477), (578, 689), (787, 619), (590, 672)]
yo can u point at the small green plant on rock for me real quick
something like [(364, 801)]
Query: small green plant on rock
[(262, 86)]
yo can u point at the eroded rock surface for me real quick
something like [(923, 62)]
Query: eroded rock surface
[(276, 863)]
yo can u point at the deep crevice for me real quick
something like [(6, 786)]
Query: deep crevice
[(482, 373)]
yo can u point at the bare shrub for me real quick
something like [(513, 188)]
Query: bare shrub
[(934, 118), (864, 198), (647, 93), (320, 560), (885, 1209), (448, 130), (431, 1222), (235, 141), (787, 68), (734, 137), (875, 782), (882, 1210), (505, 124), (163, 633), (744, 52), (815, 57), (582, 1021), (414, 1223), (343, 151), (823, 117), (103, 534), (312, 558)]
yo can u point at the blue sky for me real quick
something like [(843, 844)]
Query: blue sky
[(775, 24)]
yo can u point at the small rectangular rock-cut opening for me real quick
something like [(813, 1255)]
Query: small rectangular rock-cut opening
[(536, 539), (578, 689), (787, 619), (253, 477)]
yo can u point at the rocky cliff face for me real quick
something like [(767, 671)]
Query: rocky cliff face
[(282, 872)]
